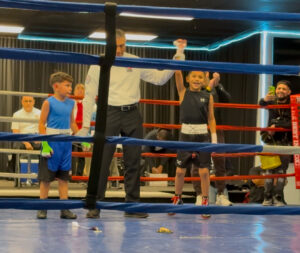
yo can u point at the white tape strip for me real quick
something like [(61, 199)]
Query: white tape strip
[(18, 175), (284, 150)]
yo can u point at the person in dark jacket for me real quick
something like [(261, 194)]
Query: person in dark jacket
[(277, 118)]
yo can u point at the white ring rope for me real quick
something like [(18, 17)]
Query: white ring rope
[(20, 93), (18, 175), (23, 120), (283, 150), (19, 151)]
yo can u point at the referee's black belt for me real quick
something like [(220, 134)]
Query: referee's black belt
[(125, 108)]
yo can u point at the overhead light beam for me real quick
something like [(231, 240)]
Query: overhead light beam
[(129, 36), (11, 29)]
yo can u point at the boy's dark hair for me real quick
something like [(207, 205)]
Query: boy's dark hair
[(285, 82), (59, 77)]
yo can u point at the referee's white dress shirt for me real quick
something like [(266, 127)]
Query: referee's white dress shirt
[(124, 87)]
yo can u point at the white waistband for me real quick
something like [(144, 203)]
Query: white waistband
[(194, 128), (58, 131)]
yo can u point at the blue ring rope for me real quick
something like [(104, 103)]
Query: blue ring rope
[(68, 57), (61, 6), (52, 204), (175, 145)]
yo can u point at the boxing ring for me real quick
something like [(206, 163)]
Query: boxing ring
[(238, 228)]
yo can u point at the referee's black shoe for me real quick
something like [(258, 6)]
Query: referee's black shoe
[(136, 215), (67, 214), (93, 214), (41, 214)]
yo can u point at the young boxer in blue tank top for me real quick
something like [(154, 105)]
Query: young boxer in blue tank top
[(57, 118)]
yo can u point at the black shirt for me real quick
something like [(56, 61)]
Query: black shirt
[(279, 118), (220, 95), (194, 107)]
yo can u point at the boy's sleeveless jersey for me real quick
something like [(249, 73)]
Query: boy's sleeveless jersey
[(59, 118), (59, 113), (194, 107)]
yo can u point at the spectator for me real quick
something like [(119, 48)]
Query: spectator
[(78, 162), (88, 160), (160, 164), (277, 118), (256, 193), (113, 168), (28, 111)]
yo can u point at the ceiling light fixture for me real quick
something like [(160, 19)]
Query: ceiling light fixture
[(129, 36), (135, 15), (11, 29)]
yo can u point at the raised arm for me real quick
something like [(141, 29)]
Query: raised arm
[(161, 77), (211, 120), (224, 96), (179, 84), (156, 77)]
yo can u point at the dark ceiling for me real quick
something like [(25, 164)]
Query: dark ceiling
[(199, 32)]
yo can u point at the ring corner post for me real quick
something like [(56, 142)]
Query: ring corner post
[(99, 138)]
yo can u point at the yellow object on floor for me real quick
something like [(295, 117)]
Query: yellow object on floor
[(164, 230)]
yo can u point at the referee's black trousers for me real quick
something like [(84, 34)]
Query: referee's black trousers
[(127, 123)]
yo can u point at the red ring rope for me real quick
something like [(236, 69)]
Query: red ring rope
[(188, 179), (89, 154)]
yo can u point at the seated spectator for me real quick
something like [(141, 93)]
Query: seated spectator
[(114, 170), (158, 165), (28, 111), (78, 162), (256, 193), (88, 160)]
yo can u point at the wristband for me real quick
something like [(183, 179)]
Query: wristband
[(214, 138)]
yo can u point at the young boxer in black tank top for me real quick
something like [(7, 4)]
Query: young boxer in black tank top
[(196, 112)]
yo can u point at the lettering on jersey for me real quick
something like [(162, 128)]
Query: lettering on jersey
[(202, 100)]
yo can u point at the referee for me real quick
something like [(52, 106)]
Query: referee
[(123, 118)]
